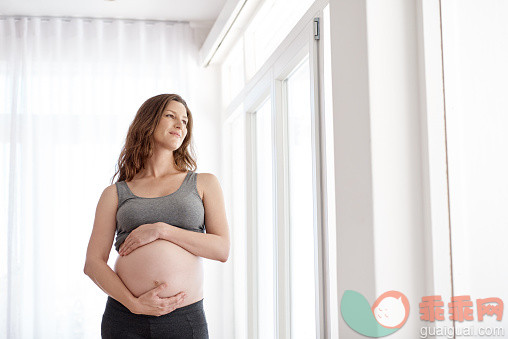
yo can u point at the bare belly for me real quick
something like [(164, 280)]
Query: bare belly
[(159, 262)]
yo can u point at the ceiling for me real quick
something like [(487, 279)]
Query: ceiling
[(188, 10)]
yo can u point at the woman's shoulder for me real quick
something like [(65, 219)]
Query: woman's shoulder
[(111, 188), (109, 195), (206, 177), (206, 183)]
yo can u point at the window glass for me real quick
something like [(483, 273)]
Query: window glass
[(269, 27), (301, 220)]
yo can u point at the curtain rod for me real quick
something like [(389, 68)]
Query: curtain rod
[(70, 18)]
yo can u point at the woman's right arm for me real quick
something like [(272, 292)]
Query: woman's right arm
[(96, 267)]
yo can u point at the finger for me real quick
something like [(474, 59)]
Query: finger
[(124, 245), (128, 239), (158, 289), (165, 310), (171, 309), (131, 248), (124, 250), (175, 299), (176, 296)]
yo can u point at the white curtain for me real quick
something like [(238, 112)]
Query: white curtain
[(68, 90)]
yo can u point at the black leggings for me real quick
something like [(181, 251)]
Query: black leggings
[(184, 322)]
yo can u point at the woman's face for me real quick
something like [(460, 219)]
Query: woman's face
[(172, 127)]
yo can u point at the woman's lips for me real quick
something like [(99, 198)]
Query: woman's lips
[(178, 135)]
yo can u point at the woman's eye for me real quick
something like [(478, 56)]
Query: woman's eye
[(172, 116)]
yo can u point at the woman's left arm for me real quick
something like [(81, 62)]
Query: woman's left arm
[(214, 244)]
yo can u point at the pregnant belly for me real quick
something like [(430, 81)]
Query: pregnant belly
[(159, 262)]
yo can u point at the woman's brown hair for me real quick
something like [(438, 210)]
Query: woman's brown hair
[(139, 141)]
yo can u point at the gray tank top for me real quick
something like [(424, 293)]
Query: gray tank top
[(183, 208)]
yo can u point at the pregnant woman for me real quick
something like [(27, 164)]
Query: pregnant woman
[(159, 208)]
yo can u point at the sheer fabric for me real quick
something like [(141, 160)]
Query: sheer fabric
[(68, 90)]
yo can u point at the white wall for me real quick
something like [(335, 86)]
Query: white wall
[(475, 73), (378, 179)]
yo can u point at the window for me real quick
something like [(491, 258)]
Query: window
[(284, 172)]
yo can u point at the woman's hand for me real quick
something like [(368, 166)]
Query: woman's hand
[(151, 304), (142, 235)]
